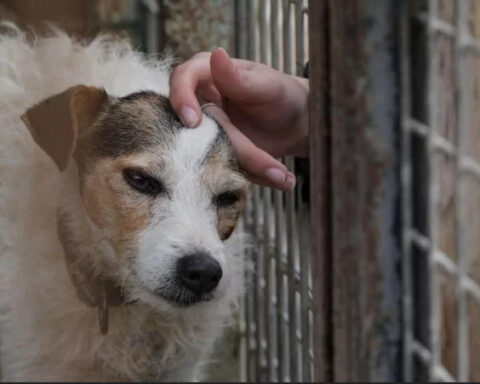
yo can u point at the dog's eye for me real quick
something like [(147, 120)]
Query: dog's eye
[(226, 199), (142, 182)]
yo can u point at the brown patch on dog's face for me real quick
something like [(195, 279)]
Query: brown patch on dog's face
[(227, 217), (222, 174), (113, 205)]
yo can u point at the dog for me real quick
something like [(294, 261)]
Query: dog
[(118, 255)]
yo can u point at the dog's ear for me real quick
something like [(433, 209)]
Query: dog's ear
[(57, 122)]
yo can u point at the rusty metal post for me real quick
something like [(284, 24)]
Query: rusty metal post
[(320, 179), (355, 181)]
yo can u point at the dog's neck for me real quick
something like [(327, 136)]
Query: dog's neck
[(88, 254)]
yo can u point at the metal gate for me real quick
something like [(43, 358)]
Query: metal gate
[(441, 184), (277, 318)]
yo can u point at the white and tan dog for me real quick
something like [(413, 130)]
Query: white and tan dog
[(144, 210)]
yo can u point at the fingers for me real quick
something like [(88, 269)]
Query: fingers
[(261, 167), (184, 81), (266, 183), (217, 76)]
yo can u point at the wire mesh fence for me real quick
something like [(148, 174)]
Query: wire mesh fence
[(441, 175), (277, 319)]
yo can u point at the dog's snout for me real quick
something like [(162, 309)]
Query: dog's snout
[(199, 272)]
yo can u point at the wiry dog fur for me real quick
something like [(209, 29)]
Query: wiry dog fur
[(46, 332)]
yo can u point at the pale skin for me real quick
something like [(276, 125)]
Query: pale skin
[(263, 111)]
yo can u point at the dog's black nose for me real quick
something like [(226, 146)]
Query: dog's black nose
[(199, 272)]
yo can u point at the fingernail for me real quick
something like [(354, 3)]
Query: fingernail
[(222, 49), (189, 116), (291, 181), (276, 176)]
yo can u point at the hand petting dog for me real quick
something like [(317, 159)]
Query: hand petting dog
[(266, 110)]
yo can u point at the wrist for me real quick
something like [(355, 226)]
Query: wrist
[(300, 146)]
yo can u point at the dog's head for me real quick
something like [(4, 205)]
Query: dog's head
[(166, 197)]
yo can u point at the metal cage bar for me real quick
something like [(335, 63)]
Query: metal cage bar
[(462, 325), (431, 116), (406, 180)]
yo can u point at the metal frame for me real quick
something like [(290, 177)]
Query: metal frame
[(429, 353)]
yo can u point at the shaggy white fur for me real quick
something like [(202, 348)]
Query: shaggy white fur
[(46, 333)]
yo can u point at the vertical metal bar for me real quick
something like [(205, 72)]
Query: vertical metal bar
[(287, 40), (252, 6), (431, 119), (245, 45), (279, 233), (279, 262), (277, 201), (281, 241), (305, 283), (299, 273), (320, 191), (251, 28), (267, 287), (241, 28), (265, 299), (271, 56), (462, 320), (299, 38), (305, 306), (243, 327), (258, 285), (274, 33), (152, 27), (264, 35), (406, 175), (245, 308), (290, 223), (293, 277), (161, 20), (292, 313), (292, 235), (250, 304)]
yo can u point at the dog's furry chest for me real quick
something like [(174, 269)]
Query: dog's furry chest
[(146, 346)]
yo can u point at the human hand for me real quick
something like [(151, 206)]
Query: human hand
[(267, 110)]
